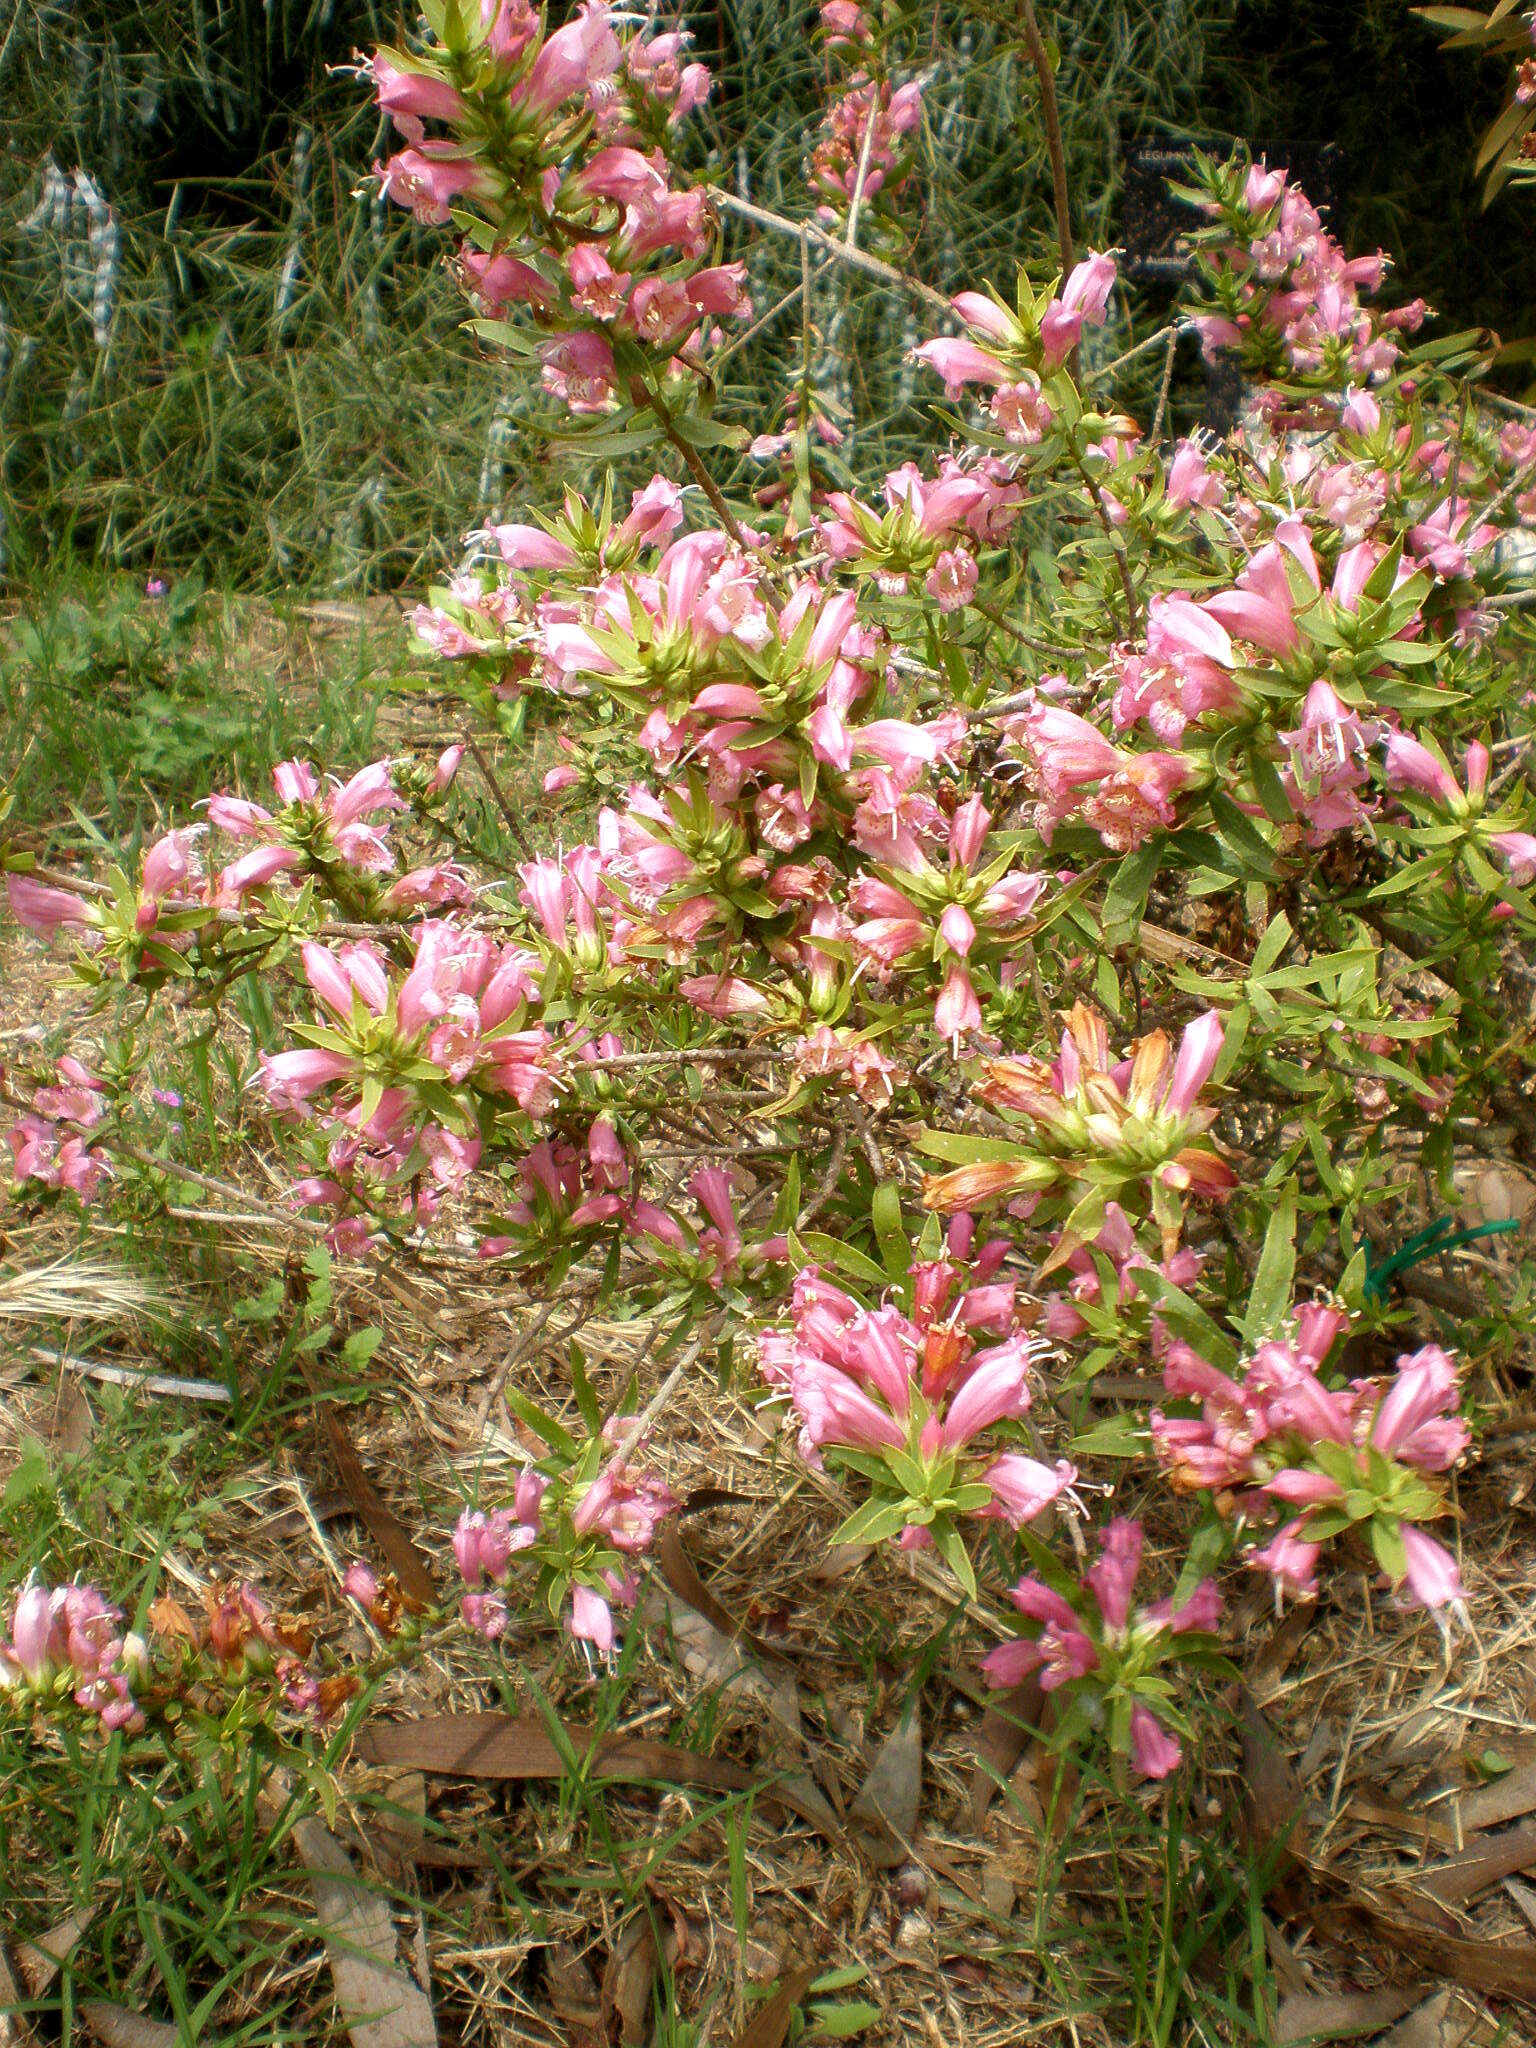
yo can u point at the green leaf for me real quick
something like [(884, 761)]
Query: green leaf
[(885, 1212), (951, 1547), (875, 1522), (961, 1148), (1125, 900), (1270, 1296), (842, 2022), (1121, 1435), (30, 1475), (543, 1426), (831, 1251), (1243, 839)]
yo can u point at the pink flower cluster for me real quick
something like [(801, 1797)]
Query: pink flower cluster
[(1281, 1437), (71, 1639), (862, 148), (556, 142), (586, 1534), (926, 1383), (1013, 354), (1096, 1643), (1295, 291), (50, 1146), (930, 532), (1120, 1125)]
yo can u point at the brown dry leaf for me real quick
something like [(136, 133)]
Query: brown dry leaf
[(1272, 1794), (40, 1961), (629, 1982), (1524, 1898), (769, 2025), (381, 1523), (1338, 2015), (511, 1747), (573, 1991), (380, 2004), (1505, 1968), (721, 1659), (71, 1424), (1508, 1797), (1274, 1658), (1376, 1809), (887, 1803), (682, 1575), (1465, 1877), (114, 2026), (167, 1617), (400, 1829), (839, 1561), (1445, 2021), (14, 2031), (1001, 1735)]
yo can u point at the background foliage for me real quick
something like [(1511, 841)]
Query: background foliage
[(248, 366)]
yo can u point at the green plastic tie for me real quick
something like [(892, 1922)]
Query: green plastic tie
[(1439, 1236)]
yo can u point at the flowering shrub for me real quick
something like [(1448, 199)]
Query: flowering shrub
[(1138, 833)]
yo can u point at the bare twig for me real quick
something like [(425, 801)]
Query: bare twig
[(1110, 535), (1165, 387), (641, 394), (174, 1170), (851, 238), (509, 816), (1050, 115), (873, 266)]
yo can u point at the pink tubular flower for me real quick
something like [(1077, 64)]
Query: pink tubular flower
[(1022, 1487), (291, 1078), (591, 1619), (360, 1583), (996, 1386), (1413, 1422), (1113, 1578), (1431, 1579), (43, 909), (428, 180), (410, 97), (1290, 1561), (1154, 1751), (1411, 765), (960, 363), (569, 62), (1199, 1049), (34, 1647), (1517, 850)]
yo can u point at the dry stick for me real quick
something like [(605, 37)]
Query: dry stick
[(1017, 633), (1142, 348), (1109, 534), (641, 394), (684, 1055), (1499, 403), (635, 1435), (1521, 477), (873, 266), (717, 363), (527, 1343), (1050, 114), (1165, 387), (174, 1171), (851, 238), (509, 816), (829, 1180)]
